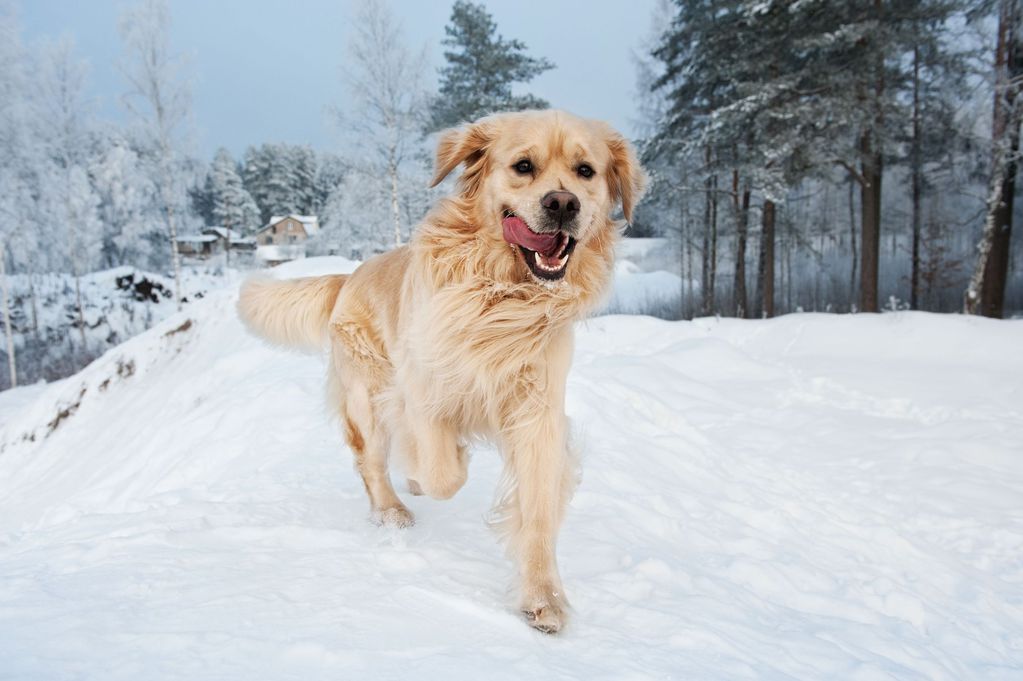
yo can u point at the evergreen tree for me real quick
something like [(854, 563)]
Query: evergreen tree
[(126, 197), (232, 206), (281, 179), (481, 68), (816, 84)]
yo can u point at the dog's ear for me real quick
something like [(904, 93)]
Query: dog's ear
[(625, 177), (460, 145)]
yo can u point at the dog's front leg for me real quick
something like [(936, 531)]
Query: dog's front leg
[(535, 441), (538, 459)]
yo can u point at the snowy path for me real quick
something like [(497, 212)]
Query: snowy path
[(813, 497)]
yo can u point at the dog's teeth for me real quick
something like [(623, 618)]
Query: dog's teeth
[(538, 259)]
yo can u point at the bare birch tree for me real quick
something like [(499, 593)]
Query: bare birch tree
[(8, 331), (386, 81), (160, 99), (61, 116)]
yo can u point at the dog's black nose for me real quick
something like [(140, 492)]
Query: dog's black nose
[(561, 206)]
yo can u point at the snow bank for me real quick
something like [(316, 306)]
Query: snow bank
[(813, 497), (637, 292)]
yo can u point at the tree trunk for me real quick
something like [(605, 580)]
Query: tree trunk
[(72, 221), (852, 241), (705, 276), (996, 272), (689, 273), (870, 221), (8, 330), (35, 303), (871, 166), (917, 183), (682, 235), (986, 291), (392, 170), (713, 259), (740, 301), (175, 257), (765, 268)]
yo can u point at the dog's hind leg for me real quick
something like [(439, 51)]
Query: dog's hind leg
[(367, 436)]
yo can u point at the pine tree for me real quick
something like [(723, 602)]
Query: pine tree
[(232, 205), (817, 84), (281, 179), (481, 68)]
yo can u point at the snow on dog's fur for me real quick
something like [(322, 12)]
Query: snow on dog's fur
[(466, 331)]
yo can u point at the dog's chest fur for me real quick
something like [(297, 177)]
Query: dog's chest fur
[(484, 343)]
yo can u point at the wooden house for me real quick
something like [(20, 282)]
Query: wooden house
[(284, 238)]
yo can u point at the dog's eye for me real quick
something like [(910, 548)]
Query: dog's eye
[(523, 167), (585, 170)]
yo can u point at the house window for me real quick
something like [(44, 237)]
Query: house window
[(292, 238), (267, 239)]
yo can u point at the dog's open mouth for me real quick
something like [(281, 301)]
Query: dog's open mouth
[(546, 253)]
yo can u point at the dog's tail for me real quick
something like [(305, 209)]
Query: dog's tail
[(290, 312)]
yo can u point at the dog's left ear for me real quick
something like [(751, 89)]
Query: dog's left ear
[(625, 177), (460, 145)]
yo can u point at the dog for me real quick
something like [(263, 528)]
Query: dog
[(466, 331)]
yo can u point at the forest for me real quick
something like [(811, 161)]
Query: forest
[(806, 155)]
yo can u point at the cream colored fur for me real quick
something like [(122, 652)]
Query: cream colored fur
[(452, 337)]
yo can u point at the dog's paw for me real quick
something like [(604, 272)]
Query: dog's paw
[(397, 517), (548, 619)]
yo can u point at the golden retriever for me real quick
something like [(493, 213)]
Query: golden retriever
[(467, 330)]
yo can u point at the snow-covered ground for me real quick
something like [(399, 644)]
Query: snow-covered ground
[(117, 304), (810, 497)]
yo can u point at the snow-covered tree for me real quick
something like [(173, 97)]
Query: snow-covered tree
[(482, 66), (131, 231), (281, 179), (5, 298), (233, 206), (160, 100), (62, 119), (816, 84), (15, 142), (386, 81)]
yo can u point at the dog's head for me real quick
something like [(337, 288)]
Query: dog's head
[(543, 181)]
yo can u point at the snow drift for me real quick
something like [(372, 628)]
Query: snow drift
[(807, 497)]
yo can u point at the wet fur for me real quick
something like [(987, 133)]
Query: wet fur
[(450, 337)]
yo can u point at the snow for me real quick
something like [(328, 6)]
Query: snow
[(814, 496), (112, 314), (277, 252), (13, 400), (635, 291)]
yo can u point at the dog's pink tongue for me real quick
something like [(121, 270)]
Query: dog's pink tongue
[(516, 232)]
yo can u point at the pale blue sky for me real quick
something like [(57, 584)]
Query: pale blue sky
[(267, 71)]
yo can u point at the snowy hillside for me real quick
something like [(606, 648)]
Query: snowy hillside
[(117, 304), (811, 497)]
